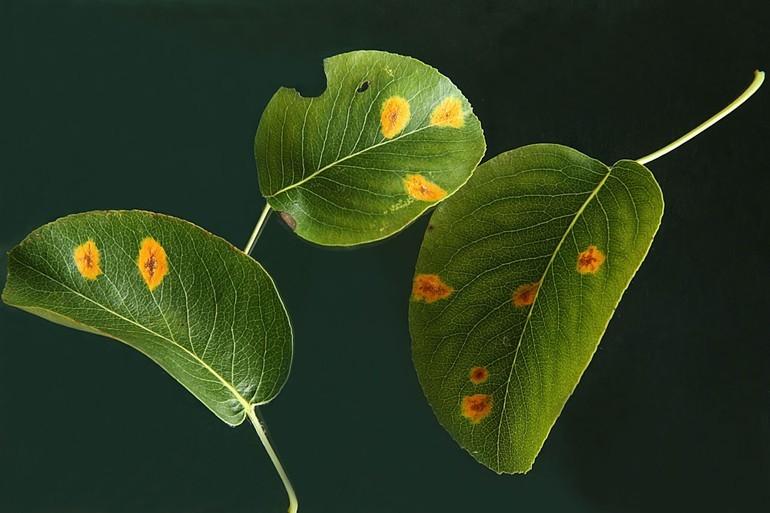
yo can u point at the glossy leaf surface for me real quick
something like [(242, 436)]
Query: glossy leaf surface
[(517, 278), (388, 138), (200, 308)]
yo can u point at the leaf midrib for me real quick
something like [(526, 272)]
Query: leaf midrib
[(548, 266), (343, 159), (244, 402)]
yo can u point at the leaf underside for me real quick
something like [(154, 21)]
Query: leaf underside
[(340, 168), (197, 306), (517, 278)]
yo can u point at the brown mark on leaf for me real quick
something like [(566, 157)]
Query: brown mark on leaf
[(478, 375), (88, 260), (476, 407), (524, 295), (420, 188), (152, 262), (394, 116), (289, 220), (448, 113), (430, 288), (590, 260), (363, 87)]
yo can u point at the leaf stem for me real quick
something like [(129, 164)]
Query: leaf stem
[(261, 429), (759, 77), (258, 229), (253, 412)]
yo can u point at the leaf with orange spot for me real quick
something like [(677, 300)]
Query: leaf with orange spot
[(88, 260), (525, 294), (395, 114), (430, 288), (388, 139), (448, 113), (539, 246), (590, 260), (476, 407), (200, 308), (423, 189), (152, 262), (478, 375)]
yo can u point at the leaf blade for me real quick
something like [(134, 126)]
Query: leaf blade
[(186, 322), (523, 307), (336, 167)]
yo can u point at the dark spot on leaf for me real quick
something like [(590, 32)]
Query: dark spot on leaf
[(476, 407), (478, 375), (150, 265), (525, 294), (289, 220), (430, 288), (590, 260), (363, 87)]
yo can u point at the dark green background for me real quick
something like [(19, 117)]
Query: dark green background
[(154, 105)]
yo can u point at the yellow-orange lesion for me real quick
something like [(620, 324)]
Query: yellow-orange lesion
[(525, 294), (430, 288), (152, 262), (394, 116), (590, 260), (422, 189), (476, 407), (478, 375), (448, 113), (88, 260)]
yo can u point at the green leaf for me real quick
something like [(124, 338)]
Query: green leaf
[(517, 279), (197, 306), (355, 165)]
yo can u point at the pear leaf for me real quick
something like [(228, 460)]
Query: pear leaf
[(517, 278), (388, 139), (194, 304)]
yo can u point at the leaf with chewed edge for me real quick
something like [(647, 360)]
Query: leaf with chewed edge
[(388, 139), (190, 301), (517, 278)]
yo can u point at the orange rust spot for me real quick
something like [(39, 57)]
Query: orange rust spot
[(476, 407), (420, 188), (478, 375), (524, 295), (88, 259), (394, 116), (590, 260), (152, 262), (430, 288), (448, 113)]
